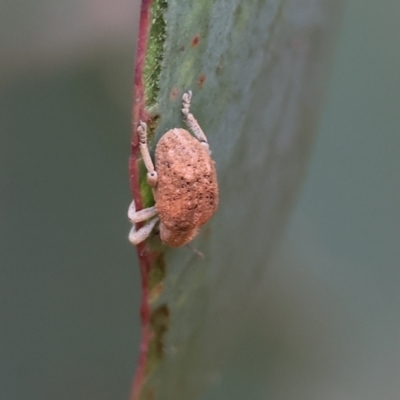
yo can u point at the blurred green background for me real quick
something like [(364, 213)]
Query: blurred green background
[(328, 318)]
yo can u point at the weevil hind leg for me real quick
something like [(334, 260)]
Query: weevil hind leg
[(191, 120), (137, 236)]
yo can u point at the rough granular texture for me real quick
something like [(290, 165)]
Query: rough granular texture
[(187, 189)]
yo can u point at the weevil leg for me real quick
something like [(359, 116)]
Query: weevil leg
[(144, 149), (140, 216), (191, 120), (137, 236)]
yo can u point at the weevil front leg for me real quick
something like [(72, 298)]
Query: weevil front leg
[(137, 236), (191, 120), (144, 149)]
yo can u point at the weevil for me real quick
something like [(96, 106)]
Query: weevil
[(183, 180)]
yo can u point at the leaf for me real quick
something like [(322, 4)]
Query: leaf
[(257, 70)]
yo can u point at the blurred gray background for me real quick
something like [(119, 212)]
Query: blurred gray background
[(328, 317)]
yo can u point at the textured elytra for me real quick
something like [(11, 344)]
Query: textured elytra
[(187, 188)]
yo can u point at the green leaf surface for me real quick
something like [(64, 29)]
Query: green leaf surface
[(258, 72)]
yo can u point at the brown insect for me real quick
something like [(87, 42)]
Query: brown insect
[(184, 183)]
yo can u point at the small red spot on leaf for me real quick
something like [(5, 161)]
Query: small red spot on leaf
[(195, 41), (174, 94), (201, 80)]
